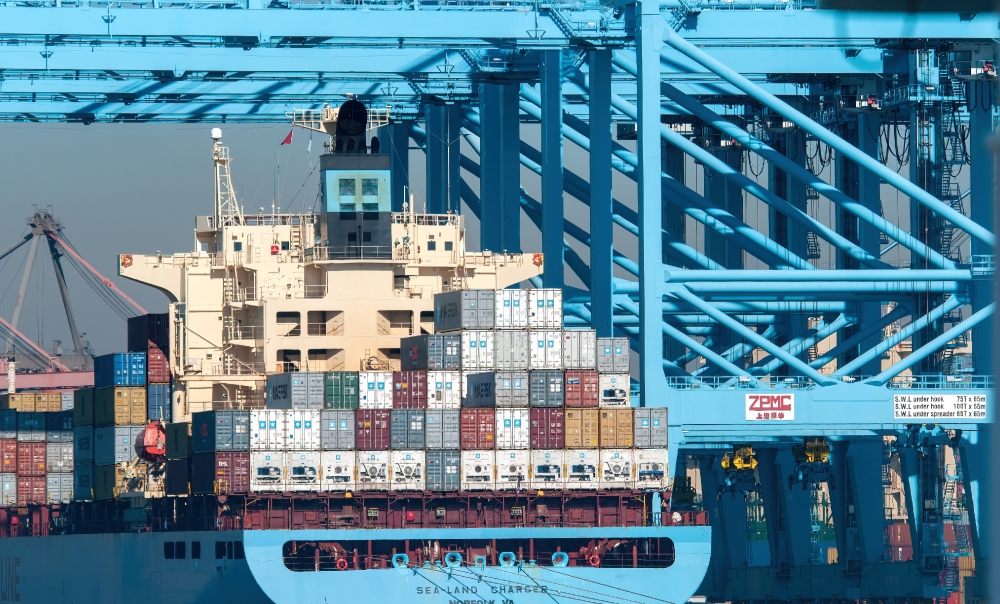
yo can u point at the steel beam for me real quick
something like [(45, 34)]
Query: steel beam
[(499, 185), (601, 201), (552, 172), (397, 142)]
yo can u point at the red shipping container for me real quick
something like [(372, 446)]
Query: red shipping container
[(548, 428), (409, 389), (477, 428), (582, 388), (371, 432), (157, 366), (31, 459), (30, 490), (8, 456), (222, 472)]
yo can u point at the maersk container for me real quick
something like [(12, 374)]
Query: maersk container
[(443, 470), (373, 470), (464, 309), (511, 350), (59, 427), (650, 427), (220, 431), (119, 406), (478, 470), (83, 407), (148, 330), (546, 389), (613, 355), (546, 349), (442, 429), (221, 473), (371, 429), (83, 481), (510, 308), (409, 389), (337, 470), (31, 427), (267, 429), (582, 468), (296, 390), (158, 402), (407, 428), (8, 490), (616, 428), (650, 468), (341, 390), (302, 471), (513, 428), (547, 429), (267, 472), (157, 366), (478, 389), (8, 423), (432, 352), (302, 431), (375, 390), (120, 369), (83, 444), (614, 390), (30, 459), (59, 487), (582, 428), (59, 458), (178, 479), (336, 430), (444, 390), (617, 470), (66, 401), (582, 388), (512, 469), (477, 350), (547, 469), (579, 349), (545, 309), (115, 444), (512, 388), (8, 456), (407, 471), (478, 428), (178, 440)]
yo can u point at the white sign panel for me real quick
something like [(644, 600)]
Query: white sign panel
[(938, 406), (761, 407)]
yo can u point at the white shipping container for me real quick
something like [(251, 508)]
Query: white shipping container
[(617, 469), (407, 471), (546, 349), (373, 470), (337, 470), (8, 489), (614, 388), (267, 471), (545, 309), (547, 469), (582, 468), (302, 431), (444, 390), (477, 350), (511, 308), (512, 470), (579, 349), (513, 428), (375, 390), (650, 468), (478, 470), (267, 430), (302, 470), (511, 350)]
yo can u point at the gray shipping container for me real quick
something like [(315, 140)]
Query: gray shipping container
[(59, 487), (440, 352), (31, 427), (66, 401), (8, 490), (8, 423), (578, 349), (59, 458), (220, 431), (441, 429), (336, 430), (443, 470), (650, 428), (479, 389), (296, 390), (512, 388), (511, 350), (547, 389), (612, 355), (465, 309), (83, 481), (406, 428), (115, 444), (83, 444)]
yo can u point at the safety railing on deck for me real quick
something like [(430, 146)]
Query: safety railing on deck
[(349, 252), (931, 382)]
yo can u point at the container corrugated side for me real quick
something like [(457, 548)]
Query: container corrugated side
[(31, 427), (579, 349), (407, 428), (548, 428), (546, 349), (178, 479), (409, 389), (152, 329), (59, 458), (157, 366), (296, 390), (511, 350), (8, 423), (267, 429), (336, 430), (650, 427), (442, 429), (463, 309), (8, 489), (59, 487), (433, 352), (513, 428), (59, 427), (582, 428), (338, 470), (120, 406), (159, 405), (478, 428), (115, 444), (302, 430), (178, 440), (478, 350), (30, 490), (83, 444), (227, 430), (547, 388), (478, 389), (444, 390), (223, 473), (616, 428), (372, 429), (8, 456), (120, 369), (30, 459), (443, 470), (83, 407), (510, 308), (375, 390), (478, 469), (613, 355), (341, 391), (83, 481), (512, 388), (582, 388), (545, 308)]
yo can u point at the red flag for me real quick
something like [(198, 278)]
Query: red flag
[(288, 139)]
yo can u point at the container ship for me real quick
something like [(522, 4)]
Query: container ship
[(344, 403)]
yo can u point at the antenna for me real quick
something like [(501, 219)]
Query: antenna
[(227, 208)]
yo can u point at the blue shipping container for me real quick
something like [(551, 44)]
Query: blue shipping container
[(158, 402), (120, 369)]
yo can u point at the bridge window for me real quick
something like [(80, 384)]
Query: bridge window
[(179, 550), (289, 324), (196, 550)]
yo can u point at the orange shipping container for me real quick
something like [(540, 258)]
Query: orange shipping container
[(19, 402), (582, 428), (616, 428), (119, 406)]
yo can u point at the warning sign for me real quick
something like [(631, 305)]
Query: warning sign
[(769, 407)]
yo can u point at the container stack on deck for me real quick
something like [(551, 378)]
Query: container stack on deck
[(36, 448)]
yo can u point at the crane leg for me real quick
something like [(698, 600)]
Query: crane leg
[(64, 291), (24, 286)]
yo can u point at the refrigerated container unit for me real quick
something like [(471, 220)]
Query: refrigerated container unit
[(178, 440), (83, 444), (59, 427), (83, 407), (119, 406), (120, 369), (8, 456), (267, 429), (338, 469), (649, 426), (614, 390), (302, 471), (59, 487), (582, 428), (145, 331), (59, 458), (478, 470), (443, 470), (341, 390), (478, 350), (336, 430), (30, 459), (546, 389), (613, 355), (616, 428), (513, 428), (406, 428), (464, 309), (409, 389), (296, 390), (512, 388), (178, 477), (617, 469), (442, 429), (115, 444), (66, 401), (220, 431), (651, 468), (511, 350), (372, 429), (478, 428), (220, 472), (512, 469), (432, 352), (510, 308), (444, 390), (157, 366), (375, 390), (582, 388), (547, 428), (30, 490), (8, 424), (478, 389), (547, 469), (302, 431), (579, 349), (373, 470), (546, 349), (8, 489), (83, 481), (582, 468), (267, 472), (545, 310), (158, 402), (407, 471)]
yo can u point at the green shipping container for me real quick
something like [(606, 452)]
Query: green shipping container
[(178, 440), (341, 390), (83, 407)]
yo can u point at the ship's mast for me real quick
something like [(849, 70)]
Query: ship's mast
[(227, 209)]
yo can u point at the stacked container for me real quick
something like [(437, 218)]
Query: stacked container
[(149, 334), (341, 391), (220, 452), (296, 390), (375, 390), (83, 444), (178, 481)]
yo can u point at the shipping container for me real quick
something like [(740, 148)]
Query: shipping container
[(83, 407), (8, 489), (66, 401), (83, 444), (152, 329), (373, 470), (30, 490), (159, 405), (434, 352), (223, 473), (478, 389), (477, 350), (545, 309), (582, 428), (512, 388), (267, 472), (220, 431), (441, 429), (30, 459), (546, 349), (302, 431), (157, 366), (31, 427), (372, 429), (59, 458), (582, 468), (614, 390), (267, 429), (478, 470), (546, 470), (83, 481), (59, 487), (613, 355), (547, 428), (443, 470), (8, 456), (296, 390), (8, 423), (651, 469), (115, 444), (111, 480), (650, 427), (178, 440), (582, 388), (616, 428), (510, 309), (512, 469), (616, 469), (46, 402), (478, 428), (407, 428), (336, 430), (407, 471), (546, 388), (464, 309), (178, 479), (302, 471), (375, 390), (341, 390), (59, 427), (18, 402), (579, 349), (513, 428), (409, 389), (119, 406), (120, 369), (338, 470), (511, 350), (444, 390)]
